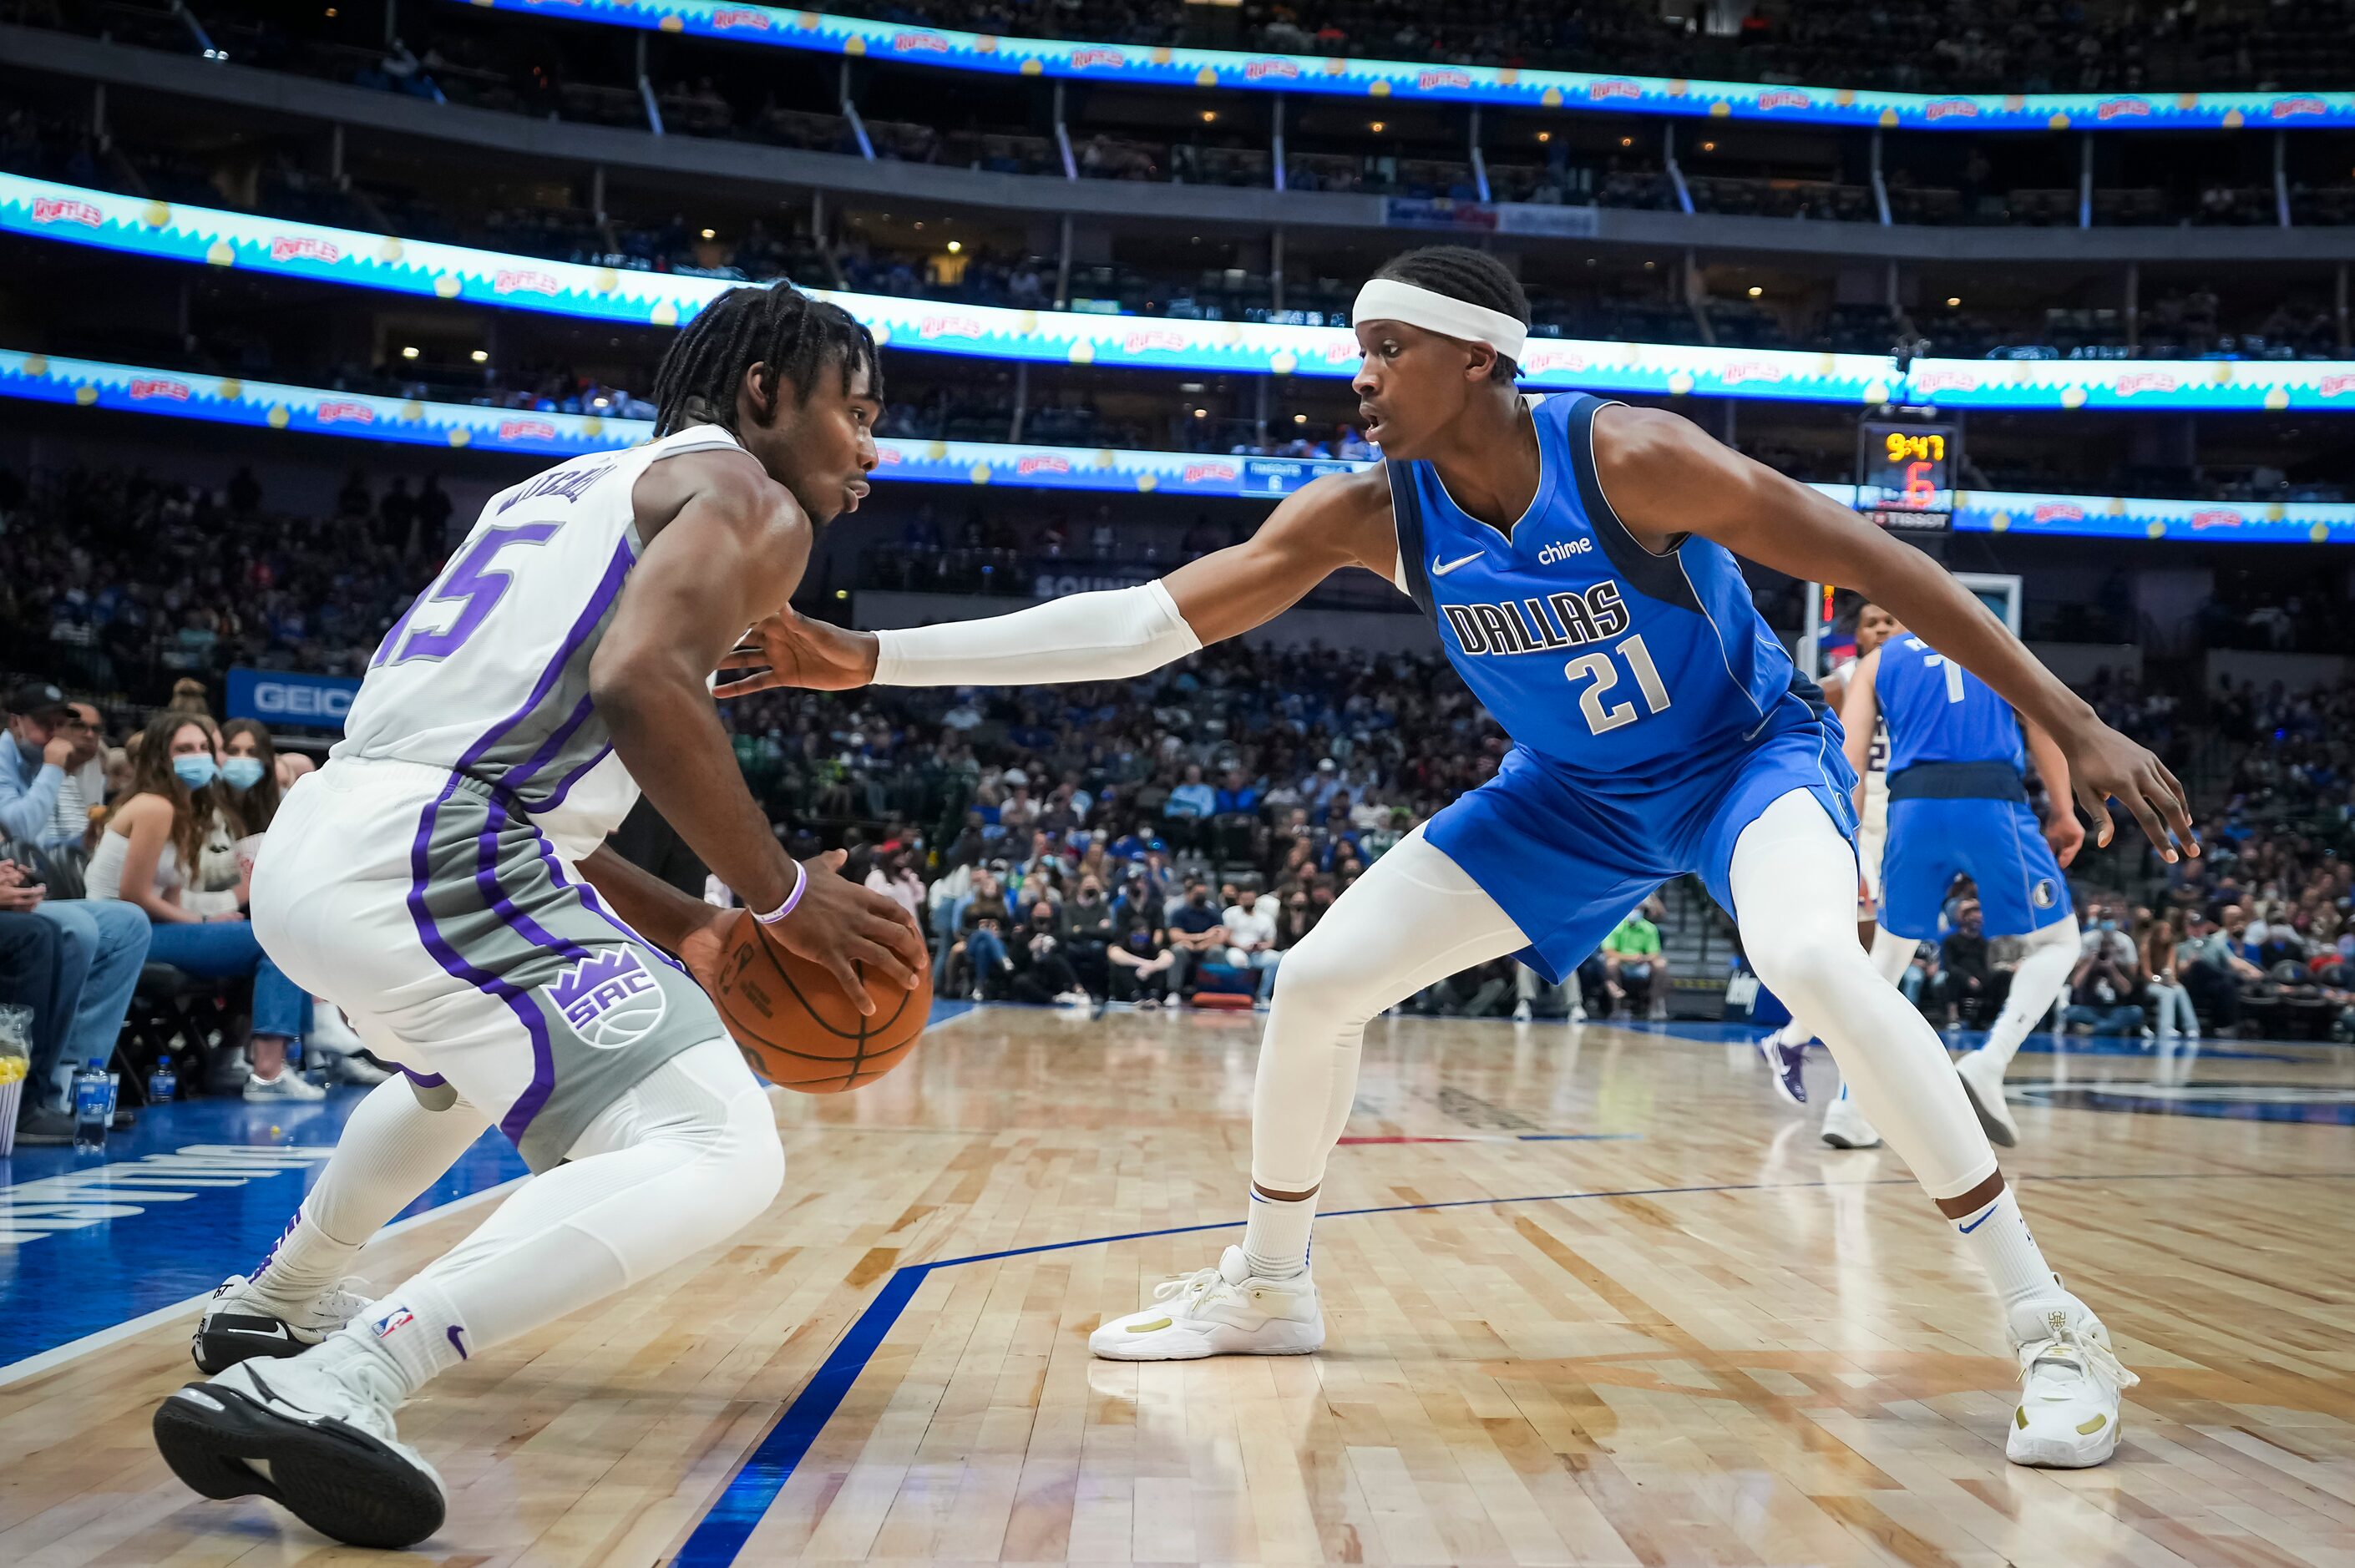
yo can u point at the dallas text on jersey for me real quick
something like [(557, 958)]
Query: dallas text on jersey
[(1533, 625)]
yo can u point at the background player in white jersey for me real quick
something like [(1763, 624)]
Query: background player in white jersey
[(1578, 560), (443, 880), (1785, 1049)]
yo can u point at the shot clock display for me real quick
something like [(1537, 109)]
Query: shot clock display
[(1905, 472)]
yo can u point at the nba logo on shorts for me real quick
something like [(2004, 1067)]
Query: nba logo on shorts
[(2042, 893), (610, 999)]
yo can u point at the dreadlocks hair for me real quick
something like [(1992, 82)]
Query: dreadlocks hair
[(777, 327), (1473, 275)]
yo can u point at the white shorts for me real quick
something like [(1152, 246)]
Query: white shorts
[(466, 950)]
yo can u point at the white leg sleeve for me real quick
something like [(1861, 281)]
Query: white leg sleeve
[(1892, 955), (2044, 969), (1794, 884), (683, 1160), (1414, 918), (392, 1149)]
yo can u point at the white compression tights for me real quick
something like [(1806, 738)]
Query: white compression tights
[(1416, 916), (683, 1160), (2036, 984)]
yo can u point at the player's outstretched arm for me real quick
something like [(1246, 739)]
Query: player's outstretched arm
[(1665, 477), (1859, 712), (1342, 521), (726, 544)]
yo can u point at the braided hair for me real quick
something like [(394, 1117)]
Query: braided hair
[(775, 326), (1473, 275)]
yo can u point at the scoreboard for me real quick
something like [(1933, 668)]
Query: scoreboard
[(1905, 473)]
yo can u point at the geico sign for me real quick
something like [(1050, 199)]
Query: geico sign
[(301, 702)]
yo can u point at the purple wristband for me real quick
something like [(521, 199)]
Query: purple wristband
[(801, 882)]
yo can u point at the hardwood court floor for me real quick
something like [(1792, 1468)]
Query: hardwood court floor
[(1703, 1338)]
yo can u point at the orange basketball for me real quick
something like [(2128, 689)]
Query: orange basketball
[(798, 1028)]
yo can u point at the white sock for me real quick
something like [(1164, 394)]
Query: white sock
[(1275, 1236), (2044, 969), (417, 1328), (392, 1149), (1997, 1236)]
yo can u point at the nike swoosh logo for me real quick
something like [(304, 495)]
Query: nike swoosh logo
[(1977, 1223), (276, 1331), (1439, 571)]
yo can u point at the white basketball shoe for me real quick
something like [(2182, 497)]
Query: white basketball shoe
[(242, 1322), (2070, 1384), (1845, 1126), (1222, 1311), (315, 1435), (1982, 1078)]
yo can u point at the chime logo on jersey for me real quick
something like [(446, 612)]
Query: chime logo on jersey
[(610, 999), (1540, 624)]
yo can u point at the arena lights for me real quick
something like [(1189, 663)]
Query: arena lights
[(92, 384), (270, 245), (1404, 81)]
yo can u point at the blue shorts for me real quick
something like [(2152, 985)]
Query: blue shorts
[(1997, 843), (1568, 861)]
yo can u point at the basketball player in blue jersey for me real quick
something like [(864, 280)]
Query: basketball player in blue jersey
[(1578, 559), (1958, 806)]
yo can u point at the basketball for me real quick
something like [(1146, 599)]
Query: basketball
[(797, 1026)]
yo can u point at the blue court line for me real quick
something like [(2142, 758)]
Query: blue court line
[(753, 1488)]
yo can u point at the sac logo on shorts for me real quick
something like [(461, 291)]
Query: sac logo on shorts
[(610, 999)]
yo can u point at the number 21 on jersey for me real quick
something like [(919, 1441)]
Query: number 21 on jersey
[(1600, 673)]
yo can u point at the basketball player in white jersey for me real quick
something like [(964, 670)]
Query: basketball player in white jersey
[(1785, 1049), (443, 880), (1675, 739)]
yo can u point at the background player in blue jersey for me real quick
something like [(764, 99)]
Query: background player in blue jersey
[(1958, 806), (1578, 559)]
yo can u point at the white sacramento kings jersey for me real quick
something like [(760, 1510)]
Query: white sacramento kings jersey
[(488, 674)]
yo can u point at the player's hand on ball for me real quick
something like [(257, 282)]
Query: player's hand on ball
[(704, 949), (2105, 766), (785, 650), (842, 924)]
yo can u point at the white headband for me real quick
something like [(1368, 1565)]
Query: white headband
[(1387, 299)]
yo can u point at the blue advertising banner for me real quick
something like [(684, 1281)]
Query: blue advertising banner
[(287, 697)]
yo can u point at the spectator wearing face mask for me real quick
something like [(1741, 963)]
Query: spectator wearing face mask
[(1139, 959), (1196, 935), (1250, 936), (250, 774), (146, 858), (99, 947), (1042, 973)]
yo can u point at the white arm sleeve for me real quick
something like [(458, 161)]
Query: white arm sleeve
[(1108, 636)]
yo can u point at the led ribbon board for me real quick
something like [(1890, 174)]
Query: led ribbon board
[(1149, 65), (92, 384), (279, 247)]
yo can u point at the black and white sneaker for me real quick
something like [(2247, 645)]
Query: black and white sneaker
[(240, 1322), (313, 1436)]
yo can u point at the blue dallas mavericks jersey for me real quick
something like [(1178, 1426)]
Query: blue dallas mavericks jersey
[(1627, 670), (1939, 711), (1958, 802), (1654, 716)]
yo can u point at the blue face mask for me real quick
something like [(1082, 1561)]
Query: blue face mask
[(2107, 924), (242, 772), (195, 772)]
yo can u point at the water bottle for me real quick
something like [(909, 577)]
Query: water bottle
[(93, 1102), (163, 1084)]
